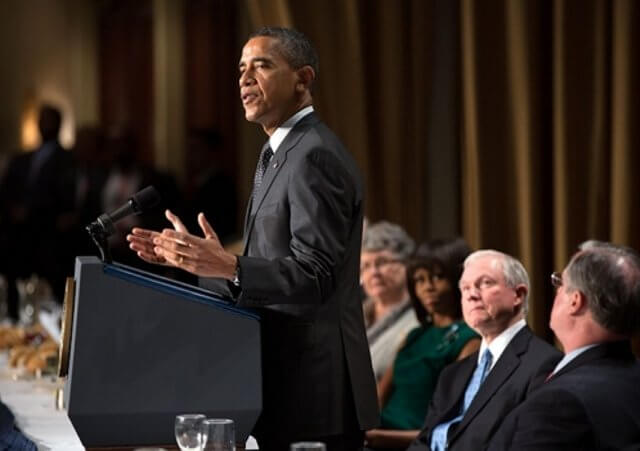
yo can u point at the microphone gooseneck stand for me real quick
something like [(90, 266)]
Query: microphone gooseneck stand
[(103, 227), (99, 236)]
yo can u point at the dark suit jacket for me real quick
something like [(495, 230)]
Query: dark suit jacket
[(49, 194), (11, 439), (6, 420), (593, 403), (523, 365), (301, 269), (36, 238)]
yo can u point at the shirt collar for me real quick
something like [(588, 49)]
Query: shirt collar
[(499, 344), (570, 356), (281, 132)]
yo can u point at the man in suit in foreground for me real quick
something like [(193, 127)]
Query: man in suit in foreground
[(474, 394), (302, 253), (591, 401)]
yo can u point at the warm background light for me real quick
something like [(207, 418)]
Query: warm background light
[(29, 136)]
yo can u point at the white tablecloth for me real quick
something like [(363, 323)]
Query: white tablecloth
[(33, 404)]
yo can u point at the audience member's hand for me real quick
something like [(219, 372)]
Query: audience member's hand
[(204, 257), (371, 438)]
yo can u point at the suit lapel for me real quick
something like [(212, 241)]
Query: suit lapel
[(458, 386), (255, 203), (275, 165), (506, 365)]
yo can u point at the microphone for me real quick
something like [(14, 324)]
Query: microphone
[(140, 202)]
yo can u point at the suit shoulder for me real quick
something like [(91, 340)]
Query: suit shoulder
[(316, 135), (543, 349), (19, 160), (526, 342), (561, 394), (325, 151)]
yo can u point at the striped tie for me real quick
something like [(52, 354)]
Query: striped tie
[(263, 162)]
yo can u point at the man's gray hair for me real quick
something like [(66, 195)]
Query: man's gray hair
[(386, 236), (512, 270), (609, 277)]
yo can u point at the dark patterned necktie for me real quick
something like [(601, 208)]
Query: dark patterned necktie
[(263, 162)]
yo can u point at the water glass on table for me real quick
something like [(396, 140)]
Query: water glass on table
[(189, 431), (308, 446), (220, 434)]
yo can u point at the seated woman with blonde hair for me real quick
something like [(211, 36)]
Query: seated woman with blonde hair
[(442, 338)]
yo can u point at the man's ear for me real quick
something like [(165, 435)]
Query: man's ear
[(577, 301), (521, 293), (306, 75)]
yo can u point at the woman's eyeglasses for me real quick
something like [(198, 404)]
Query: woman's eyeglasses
[(378, 263)]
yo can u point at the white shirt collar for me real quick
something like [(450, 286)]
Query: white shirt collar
[(499, 344), (570, 356), (281, 132)]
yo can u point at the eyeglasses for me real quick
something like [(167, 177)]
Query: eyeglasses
[(556, 279), (378, 263)]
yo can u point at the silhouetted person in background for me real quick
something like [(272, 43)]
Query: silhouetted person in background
[(37, 204)]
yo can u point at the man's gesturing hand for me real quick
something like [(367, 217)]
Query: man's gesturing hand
[(204, 257)]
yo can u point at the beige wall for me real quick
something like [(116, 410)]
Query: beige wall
[(48, 53)]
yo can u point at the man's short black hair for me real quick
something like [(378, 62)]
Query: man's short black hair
[(49, 122), (295, 47)]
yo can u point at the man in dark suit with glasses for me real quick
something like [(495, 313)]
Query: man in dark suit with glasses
[(591, 400)]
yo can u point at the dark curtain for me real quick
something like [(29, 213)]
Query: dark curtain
[(507, 121)]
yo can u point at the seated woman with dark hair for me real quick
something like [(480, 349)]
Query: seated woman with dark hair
[(442, 338)]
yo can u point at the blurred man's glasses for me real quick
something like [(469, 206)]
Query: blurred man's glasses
[(556, 279), (378, 263)]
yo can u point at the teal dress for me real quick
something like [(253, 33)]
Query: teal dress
[(416, 369)]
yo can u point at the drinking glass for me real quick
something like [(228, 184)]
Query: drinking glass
[(220, 434), (189, 432), (308, 446)]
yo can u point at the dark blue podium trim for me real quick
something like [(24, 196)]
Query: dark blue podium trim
[(174, 287)]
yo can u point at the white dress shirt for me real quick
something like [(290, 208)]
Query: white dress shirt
[(281, 132), (498, 344)]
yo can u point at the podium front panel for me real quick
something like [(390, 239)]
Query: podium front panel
[(145, 349)]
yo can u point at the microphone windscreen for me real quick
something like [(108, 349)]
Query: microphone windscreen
[(145, 199)]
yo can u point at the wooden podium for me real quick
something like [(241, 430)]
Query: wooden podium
[(139, 349)]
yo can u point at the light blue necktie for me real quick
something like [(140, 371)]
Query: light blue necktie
[(439, 434)]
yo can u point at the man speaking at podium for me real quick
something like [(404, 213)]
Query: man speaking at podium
[(300, 265)]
